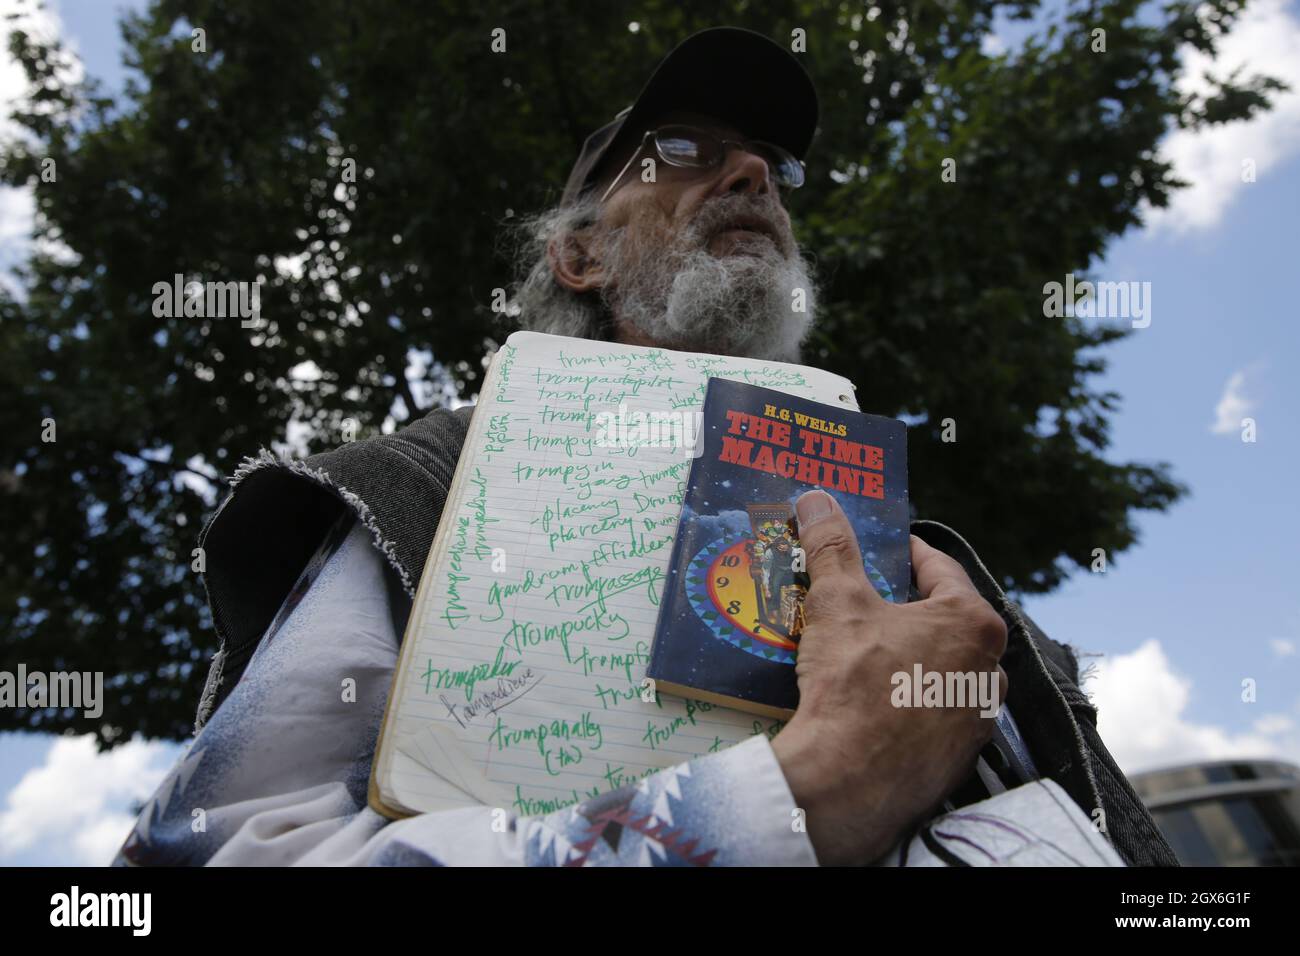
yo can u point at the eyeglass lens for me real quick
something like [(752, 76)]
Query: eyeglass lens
[(690, 146)]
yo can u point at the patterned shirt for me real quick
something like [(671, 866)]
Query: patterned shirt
[(279, 776)]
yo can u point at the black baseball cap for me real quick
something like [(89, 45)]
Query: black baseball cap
[(736, 75)]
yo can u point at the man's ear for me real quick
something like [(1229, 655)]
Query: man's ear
[(573, 261)]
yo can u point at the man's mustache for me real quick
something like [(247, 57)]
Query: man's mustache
[(737, 212)]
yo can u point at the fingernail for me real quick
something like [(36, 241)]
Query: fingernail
[(812, 506)]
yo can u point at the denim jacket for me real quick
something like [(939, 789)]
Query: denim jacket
[(280, 509)]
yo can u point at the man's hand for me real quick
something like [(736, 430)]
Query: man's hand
[(862, 769)]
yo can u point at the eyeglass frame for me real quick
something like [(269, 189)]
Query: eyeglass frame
[(726, 144)]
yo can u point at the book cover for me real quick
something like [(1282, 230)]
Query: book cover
[(729, 626)]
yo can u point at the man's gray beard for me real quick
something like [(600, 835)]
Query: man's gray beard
[(686, 298)]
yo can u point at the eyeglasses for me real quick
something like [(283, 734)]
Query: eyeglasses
[(695, 148)]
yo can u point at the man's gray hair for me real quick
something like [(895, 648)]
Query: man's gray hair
[(666, 286), (540, 303)]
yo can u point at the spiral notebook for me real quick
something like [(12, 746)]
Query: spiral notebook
[(521, 680)]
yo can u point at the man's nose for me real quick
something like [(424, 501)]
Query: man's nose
[(744, 172)]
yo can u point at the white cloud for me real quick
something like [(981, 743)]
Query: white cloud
[(1233, 406), (1140, 706), (98, 841), (1282, 647), (992, 45), (17, 215), (1265, 40), (18, 206), (43, 24), (75, 804), (1274, 724)]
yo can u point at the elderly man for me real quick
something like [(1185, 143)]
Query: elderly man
[(671, 232)]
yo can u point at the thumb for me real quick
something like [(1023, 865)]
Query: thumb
[(829, 543)]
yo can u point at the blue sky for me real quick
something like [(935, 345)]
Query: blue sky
[(1205, 601)]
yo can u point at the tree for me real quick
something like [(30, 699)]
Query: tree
[(361, 161)]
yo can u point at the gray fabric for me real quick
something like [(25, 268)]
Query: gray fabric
[(1056, 718), (278, 512), (280, 772)]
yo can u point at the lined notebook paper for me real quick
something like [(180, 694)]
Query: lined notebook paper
[(520, 679)]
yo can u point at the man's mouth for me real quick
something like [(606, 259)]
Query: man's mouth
[(747, 224), (746, 235)]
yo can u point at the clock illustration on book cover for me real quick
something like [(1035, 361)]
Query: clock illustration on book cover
[(748, 589)]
